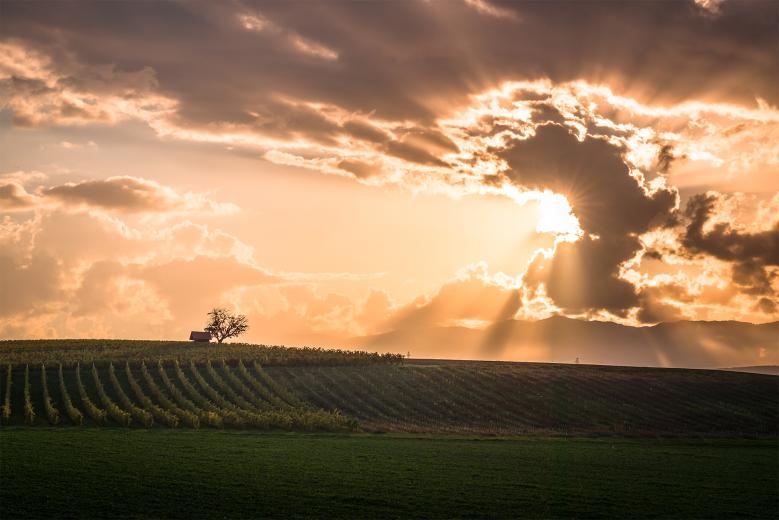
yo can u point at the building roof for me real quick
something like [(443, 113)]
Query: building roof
[(199, 335)]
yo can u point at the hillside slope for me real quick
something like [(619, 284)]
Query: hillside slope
[(418, 396), (518, 398)]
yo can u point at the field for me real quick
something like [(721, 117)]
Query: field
[(113, 472), (371, 393), (537, 398), (160, 429)]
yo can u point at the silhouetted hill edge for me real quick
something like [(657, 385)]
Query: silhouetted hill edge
[(690, 344)]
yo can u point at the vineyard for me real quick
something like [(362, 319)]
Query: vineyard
[(68, 352), (525, 398), (440, 397), (210, 395)]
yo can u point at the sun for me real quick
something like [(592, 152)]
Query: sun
[(555, 215)]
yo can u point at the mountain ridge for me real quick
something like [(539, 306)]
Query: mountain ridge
[(683, 343)]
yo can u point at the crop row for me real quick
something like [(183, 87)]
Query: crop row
[(216, 395), (501, 399)]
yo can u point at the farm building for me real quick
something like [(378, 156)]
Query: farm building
[(200, 336)]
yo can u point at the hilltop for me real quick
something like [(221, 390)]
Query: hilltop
[(321, 390)]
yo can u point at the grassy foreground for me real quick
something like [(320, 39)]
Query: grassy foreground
[(111, 472)]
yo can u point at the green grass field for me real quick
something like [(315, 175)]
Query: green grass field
[(113, 472)]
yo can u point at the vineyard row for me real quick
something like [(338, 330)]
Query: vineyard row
[(184, 395)]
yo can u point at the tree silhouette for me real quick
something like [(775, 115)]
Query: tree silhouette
[(223, 324)]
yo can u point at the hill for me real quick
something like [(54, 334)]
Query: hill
[(691, 344), (759, 369), (102, 351), (422, 396)]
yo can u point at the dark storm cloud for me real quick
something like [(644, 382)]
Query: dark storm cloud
[(612, 208), (723, 241), (584, 275), (592, 175), (754, 255), (398, 59)]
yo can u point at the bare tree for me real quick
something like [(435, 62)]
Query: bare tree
[(223, 324)]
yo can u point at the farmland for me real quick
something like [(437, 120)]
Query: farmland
[(315, 390), (173, 395), (102, 351), (152, 429), (164, 473)]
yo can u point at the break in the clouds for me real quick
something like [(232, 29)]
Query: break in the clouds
[(645, 139)]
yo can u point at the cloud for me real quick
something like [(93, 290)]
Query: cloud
[(28, 288), (13, 197), (130, 195), (487, 8), (753, 254), (396, 62), (612, 206), (190, 286), (473, 297), (712, 7), (40, 91), (722, 240), (411, 37), (591, 174), (258, 23), (123, 194), (67, 145), (442, 97), (71, 273)]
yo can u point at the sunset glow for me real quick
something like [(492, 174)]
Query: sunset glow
[(336, 173)]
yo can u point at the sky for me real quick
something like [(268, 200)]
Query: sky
[(336, 170)]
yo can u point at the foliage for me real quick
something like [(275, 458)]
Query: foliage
[(69, 352), (29, 411), (262, 391), (520, 398), (96, 413), (5, 414), (74, 414), (139, 414), (190, 419), (52, 414), (222, 324), (115, 412), (167, 417)]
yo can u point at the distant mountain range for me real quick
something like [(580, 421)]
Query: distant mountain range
[(693, 344), (758, 369)]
